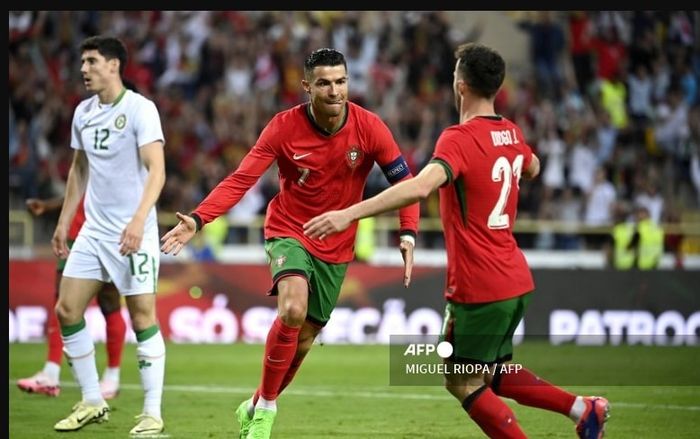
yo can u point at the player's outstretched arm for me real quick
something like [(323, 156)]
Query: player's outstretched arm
[(402, 194), (533, 170), (176, 239)]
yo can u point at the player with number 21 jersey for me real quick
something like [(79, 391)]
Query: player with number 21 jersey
[(483, 159)]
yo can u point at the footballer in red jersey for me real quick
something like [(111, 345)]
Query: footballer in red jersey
[(318, 171), (324, 150), (477, 166), (483, 158)]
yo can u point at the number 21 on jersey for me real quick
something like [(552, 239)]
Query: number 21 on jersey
[(504, 172)]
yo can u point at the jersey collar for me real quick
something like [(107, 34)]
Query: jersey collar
[(318, 127)]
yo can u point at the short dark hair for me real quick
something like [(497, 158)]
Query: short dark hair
[(109, 47), (323, 57), (482, 68)]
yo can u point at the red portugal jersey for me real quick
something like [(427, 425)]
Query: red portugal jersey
[(484, 158), (318, 172), (78, 220)]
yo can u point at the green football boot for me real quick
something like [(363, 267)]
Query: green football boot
[(244, 418), (261, 424)]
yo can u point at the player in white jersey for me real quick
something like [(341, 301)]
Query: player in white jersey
[(118, 163)]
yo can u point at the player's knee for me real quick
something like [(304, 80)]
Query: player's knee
[(141, 321), (456, 390), (293, 313), (461, 386), (67, 314)]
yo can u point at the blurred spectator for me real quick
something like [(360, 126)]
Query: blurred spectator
[(610, 53), (582, 162), (619, 253), (243, 213), (606, 137), (365, 239), (671, 126), (694, 147), (581, 35), (636, 244), (600, 201), (569, 212), (641, 94), (552, 149), (206, 246), (673, 240), (613, 98), (647, 241), (651, 200), (547, 43)]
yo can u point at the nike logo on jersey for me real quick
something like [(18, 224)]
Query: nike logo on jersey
[(297, 156), (272, 360)]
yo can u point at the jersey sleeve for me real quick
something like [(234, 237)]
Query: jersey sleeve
[(389, 158), (76, 142), (232, 188), (527, 149), (147, 124), (448, 154)]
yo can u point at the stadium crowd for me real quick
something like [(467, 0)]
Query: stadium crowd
[(610, 101)]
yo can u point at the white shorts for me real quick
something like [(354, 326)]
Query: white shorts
[(137, 273)]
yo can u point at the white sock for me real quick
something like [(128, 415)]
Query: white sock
[(53, 371), (267, 405), (80, 351), (577, 409), (151, 362), (111, 374), (251, 407)]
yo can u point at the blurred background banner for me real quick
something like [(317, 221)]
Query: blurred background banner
[(225, 303)]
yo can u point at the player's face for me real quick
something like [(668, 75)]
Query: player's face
[(96, 70), (328, 89)]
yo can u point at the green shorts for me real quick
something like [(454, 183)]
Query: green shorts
[(288, 257), (483, 332)]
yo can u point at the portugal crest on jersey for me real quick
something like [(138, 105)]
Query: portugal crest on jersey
[(280, 260), (354, 156)]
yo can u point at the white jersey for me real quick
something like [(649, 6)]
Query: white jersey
[(111, 136)]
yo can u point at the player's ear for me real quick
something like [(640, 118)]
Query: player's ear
[(306, 85), (114, 62), (461, 86)]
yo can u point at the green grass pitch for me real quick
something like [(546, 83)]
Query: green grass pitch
[(343, 392)]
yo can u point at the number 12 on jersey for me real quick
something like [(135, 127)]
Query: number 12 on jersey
[(504, 173)]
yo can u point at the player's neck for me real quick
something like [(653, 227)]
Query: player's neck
[(476, 109), (111, 93), (330, 124)]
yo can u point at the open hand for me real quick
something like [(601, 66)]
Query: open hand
[(176, 239)]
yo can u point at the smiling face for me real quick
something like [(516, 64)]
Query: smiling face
[(97, 71), (328, 90)]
